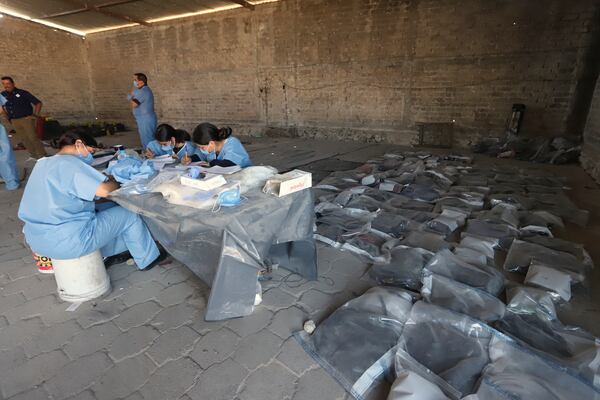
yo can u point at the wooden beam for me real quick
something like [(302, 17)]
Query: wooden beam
[(98, 8), (119, 16), (244, 3)]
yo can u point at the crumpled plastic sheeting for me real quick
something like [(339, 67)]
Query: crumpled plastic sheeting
[(379, 314), (486, 278), (456, 296), (233, 243), (404, 269), (130, 169)]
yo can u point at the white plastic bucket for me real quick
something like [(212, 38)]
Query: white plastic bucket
[(81, 279)]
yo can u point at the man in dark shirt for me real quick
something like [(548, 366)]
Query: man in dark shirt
[(23, 108)]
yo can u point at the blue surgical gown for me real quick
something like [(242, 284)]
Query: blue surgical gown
[(8, 164), (233, 150), (58, 209), (144, 114)]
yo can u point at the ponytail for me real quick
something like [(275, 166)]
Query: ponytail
[(206, 132)]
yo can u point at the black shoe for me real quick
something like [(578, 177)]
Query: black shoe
[(162, 256), (117, 259)]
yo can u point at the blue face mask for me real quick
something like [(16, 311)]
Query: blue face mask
[(168, 149), (228, 198), (89, 159), (135, 84)]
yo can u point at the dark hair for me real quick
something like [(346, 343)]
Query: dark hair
[(164, 133), (70, 137), (7, 78), (205, 132), (181, 136), (141, 77)]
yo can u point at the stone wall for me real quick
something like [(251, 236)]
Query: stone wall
[(50, 64)]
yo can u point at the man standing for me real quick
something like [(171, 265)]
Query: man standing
[(23, 108), (141, 100)]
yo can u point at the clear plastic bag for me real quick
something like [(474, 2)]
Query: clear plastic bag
[(358, 335), (404, 269), (456, 296), (521, 254), (425, 240), (451, 345), (482, 277)]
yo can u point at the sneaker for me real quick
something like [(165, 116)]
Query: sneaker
[(117, 259)]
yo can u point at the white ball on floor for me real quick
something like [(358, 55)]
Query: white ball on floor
[(310, 326)]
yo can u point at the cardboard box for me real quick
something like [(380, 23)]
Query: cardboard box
[(290, 182), (210, 182)]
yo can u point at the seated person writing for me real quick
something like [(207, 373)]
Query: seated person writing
[(184, 148), (217, 147), (61, 221), (163, 143)]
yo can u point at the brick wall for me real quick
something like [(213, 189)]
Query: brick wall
[(368, 70), (357, 69), (590, 159), (49, 64)]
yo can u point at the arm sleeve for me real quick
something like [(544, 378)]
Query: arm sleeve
[(31, 98), (141, 96), (2, 100), (129, 97), (85, 181), (222, 163)]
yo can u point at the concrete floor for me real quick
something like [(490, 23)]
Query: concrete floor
[(148, 340)]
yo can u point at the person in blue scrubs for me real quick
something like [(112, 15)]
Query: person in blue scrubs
[(171, 141), (141, 100), (8, 164), (184, 148), (58, 209), (216, 146), (164, 142)]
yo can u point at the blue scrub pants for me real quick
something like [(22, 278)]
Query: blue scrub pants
[(8, 164), (117, 230), (146, 127)]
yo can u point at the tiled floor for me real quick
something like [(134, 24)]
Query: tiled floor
[(148, 340)]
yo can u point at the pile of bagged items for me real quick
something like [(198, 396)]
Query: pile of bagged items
[(550, 150), (467, 277)]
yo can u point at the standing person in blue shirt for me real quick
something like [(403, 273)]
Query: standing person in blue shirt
[(61, 221), (216, 146), (23, 108), (141, 100)]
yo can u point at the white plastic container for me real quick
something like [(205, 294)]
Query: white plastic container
[(81, 279)]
